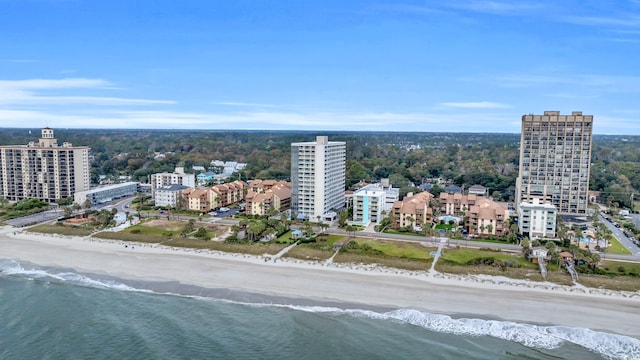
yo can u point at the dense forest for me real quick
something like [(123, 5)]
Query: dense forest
[(407, 159)]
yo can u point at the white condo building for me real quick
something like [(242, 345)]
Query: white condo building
[(43, 170), (537, 220), (372, 202), (317, 177), (161, 180)]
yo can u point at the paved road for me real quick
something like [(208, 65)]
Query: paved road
[(618, 233)]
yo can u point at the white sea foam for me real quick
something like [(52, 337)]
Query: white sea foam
[(14, 268), (542, 337)]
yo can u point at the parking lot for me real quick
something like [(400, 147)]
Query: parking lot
[(227, 213)]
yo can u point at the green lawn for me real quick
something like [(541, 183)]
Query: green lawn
[(401, 249), (468, 256), (616, 266), (616, 247), (284, 238)]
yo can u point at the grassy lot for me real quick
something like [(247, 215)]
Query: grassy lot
[(320, 250), (388, 261), (60, 229), (167, 233), (284, 238), (400, 249), (257, 248), (472, 257), (523, 273), (622, 267), (616, 247), (618, 282), (397, 254)]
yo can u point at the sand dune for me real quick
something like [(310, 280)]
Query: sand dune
[(481, 296)]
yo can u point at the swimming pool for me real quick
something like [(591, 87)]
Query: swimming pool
[(589, 241), (448, 218)]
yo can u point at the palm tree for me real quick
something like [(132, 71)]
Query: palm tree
[(255, 229), (351, 230), (410, 219)]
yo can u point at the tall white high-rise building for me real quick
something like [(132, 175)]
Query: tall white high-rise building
[(317, 177), (43, 170), (555, 158)]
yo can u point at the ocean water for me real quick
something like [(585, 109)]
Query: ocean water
[(59, 314)]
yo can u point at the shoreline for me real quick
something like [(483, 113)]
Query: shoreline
[(338, 285)]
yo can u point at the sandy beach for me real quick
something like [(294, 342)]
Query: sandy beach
[(481, 296)]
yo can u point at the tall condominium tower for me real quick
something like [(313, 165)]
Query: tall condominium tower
[(43, 170), (317, 177), (555, 157)]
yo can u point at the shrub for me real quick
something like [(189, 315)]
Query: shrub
[(307, 240), (135, 231)]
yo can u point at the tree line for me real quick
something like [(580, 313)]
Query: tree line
[(407, 159)]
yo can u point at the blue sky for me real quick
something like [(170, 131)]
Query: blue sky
[(467, 65)]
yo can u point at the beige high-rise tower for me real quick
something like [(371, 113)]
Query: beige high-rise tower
[(43, 170), (555, 158)]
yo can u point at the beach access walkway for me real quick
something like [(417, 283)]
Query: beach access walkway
[(543, 267), (281, 253), (572, 271), (437, 254)]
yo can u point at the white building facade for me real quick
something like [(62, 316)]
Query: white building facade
[(537, 220), (317, 177), (372, 202), (169, 195), (177, 177), (106, 193)]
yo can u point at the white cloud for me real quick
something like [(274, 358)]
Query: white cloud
[(35, 84), (596, 83), (246, 104), (356, 121), (476, 105), (495, 7), (26, 92), (624, 21)]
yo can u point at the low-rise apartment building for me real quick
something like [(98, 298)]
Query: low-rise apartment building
[(413, 210), (226, 194), (456, 204), (372, 202), (170, 195), (179, 177), (266, 195), (198, 199), (487, 217), (106, 193), (537, 220)]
